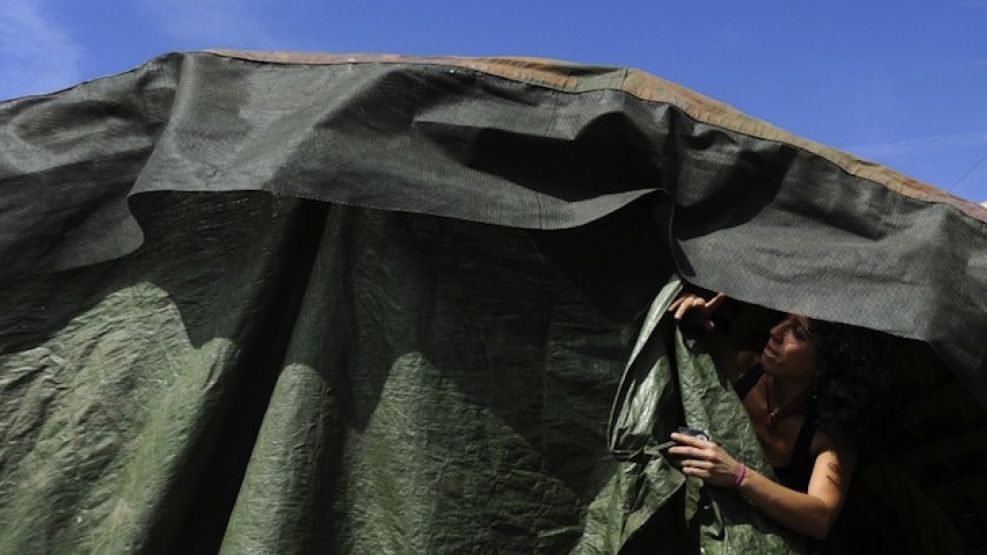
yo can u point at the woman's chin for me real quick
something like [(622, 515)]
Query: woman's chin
[(769, 363)]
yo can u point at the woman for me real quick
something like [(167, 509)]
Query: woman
[(812, 393)]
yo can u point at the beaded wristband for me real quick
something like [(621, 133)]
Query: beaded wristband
[(741, 472)]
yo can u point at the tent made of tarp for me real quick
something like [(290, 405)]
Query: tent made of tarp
[(285, 303)]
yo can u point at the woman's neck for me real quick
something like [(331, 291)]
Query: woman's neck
[(785, 397), (787, 390)]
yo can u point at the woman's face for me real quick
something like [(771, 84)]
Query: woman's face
[(791, 351)]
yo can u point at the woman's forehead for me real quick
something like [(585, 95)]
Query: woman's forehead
[(804, 321)]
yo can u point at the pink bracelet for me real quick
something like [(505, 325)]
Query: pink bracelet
[(741, 472)]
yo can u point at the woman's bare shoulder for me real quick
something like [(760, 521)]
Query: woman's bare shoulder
[(822, 442)]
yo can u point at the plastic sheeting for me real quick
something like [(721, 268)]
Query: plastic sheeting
[(420, 385), (765, 216), (386, 305)]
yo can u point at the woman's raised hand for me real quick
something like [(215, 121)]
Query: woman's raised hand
[(695, 310)]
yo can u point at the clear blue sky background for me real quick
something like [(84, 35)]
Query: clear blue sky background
[(902, 82)]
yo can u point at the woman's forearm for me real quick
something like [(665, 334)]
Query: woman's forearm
[(810, 513), (801, 512)]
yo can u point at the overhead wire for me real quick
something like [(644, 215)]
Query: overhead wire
[(968, 172)]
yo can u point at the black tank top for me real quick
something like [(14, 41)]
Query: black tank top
[(797, 472)]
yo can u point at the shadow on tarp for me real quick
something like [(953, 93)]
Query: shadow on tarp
[(239, 269), (235, 269)]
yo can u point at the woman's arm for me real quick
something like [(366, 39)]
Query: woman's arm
[(811, 513)]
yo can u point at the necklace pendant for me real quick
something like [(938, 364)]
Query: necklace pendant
[(772, 418)]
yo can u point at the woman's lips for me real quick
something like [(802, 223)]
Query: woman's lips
[(769, 351)]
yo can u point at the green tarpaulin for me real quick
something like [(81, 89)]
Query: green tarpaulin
[(273, 303)]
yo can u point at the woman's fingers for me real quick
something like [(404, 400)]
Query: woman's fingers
[(692, 463), (685, 306), (690, 452), (715, 302), (703, 459), (703, 309), (697, 472), (674, 307), (689, 440)]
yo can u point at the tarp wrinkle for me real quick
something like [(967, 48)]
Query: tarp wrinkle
[(291, 303)]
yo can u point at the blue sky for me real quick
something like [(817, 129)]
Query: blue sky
[(903, 83)]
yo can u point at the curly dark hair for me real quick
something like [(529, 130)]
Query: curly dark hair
[(854, 384)]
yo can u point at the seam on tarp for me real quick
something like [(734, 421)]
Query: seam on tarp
[(772, 134), (739, 122)]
